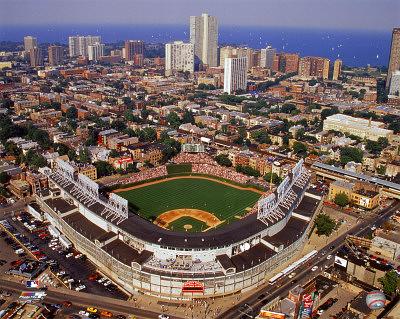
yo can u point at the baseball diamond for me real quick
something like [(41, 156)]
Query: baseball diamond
[(206, 200)]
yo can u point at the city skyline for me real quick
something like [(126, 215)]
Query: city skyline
[(359, 14)]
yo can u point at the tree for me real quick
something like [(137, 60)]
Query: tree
[(299, 147), (261, 137), (148, 134), (300, 134), (247, 170), (272, 177), (381, 170), (61, 149), (376, 147), (390, 282), (104, 168), (71, 113), (173, 120), (131, 168), (348, 154), (72, 155), (114, 153), (328, 112), (144, 114), (324, 224), (129, 116), (119, 125), (288, 108), (223, 160), (127, 101), (188, 117), (12, 149), (56, 105), (4, 177), (341, 199), (84, 156), (312, 82), (171, 148)]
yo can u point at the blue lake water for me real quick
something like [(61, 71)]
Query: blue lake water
[(354, 47)]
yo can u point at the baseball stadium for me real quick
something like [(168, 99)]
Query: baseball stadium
[(188, 229)]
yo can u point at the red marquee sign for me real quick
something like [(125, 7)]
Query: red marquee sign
[(192, 286)]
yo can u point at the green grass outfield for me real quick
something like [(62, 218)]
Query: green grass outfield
[(197, 225), (223, 201)]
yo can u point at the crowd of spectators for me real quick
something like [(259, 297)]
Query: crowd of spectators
[(201, 164), (194, 158), (220, 171), (155, 172)]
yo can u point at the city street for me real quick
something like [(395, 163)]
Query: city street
[(282, 286)]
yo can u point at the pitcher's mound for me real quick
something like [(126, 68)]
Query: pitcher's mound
[(187, 226)]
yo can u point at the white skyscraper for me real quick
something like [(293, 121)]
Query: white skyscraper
[(235, 74), (78, 45), (395, 83), (204, 37), (179, 56), (267, 57), (30, 43), (95, 51)]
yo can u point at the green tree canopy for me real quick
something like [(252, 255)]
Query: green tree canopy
[(376, 147), (4, 177), (247, 170), (261, 137), (272, 177), (71, 113), (299, 147), (104, 168), (341, 199), (324, 224), (84, 156), (188, 117), (328, 112), (288, 108), (223, 160), (173, 120), (348, 154), (390, 282)]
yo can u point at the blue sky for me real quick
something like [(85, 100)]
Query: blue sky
[(327, 14)]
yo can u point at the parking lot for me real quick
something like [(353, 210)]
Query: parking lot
[(29, 238)]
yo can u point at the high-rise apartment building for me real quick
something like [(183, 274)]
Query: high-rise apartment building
[(36, 57), (179, 56), (204, 37), (30, 43), (78, 45), (240, 52), (286, 62), (337, 69), (95, 51), (235, 74), (134, 51), (395, 84), (394, 60), (226, 52), (56, 55), (267, 57), (314, 67)]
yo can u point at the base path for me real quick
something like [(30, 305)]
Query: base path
[(255, 190), (170, 216)]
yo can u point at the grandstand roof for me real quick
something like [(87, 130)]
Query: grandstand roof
[(147, 231)]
